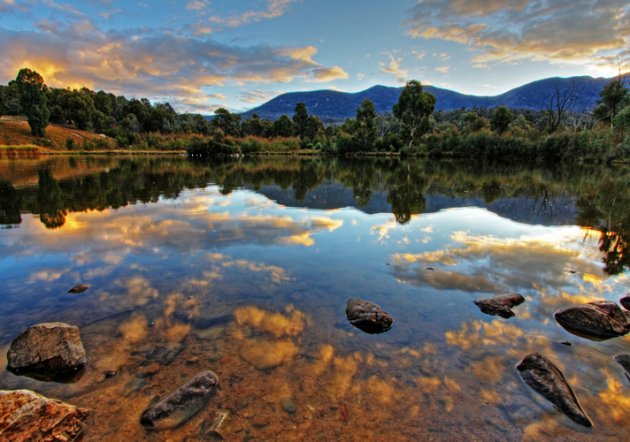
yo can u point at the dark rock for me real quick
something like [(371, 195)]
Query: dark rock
[(545, 378), (567, 343), (367, 316), (288, 405), (181, 404), (596, 320), (28, 416), (49, 352), (110, 374), (79, 288), (500, 305), (625, 302), (624, 361)]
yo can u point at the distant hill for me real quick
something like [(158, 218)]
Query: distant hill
[(333, 106)]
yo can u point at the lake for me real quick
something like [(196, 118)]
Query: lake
[(244, 267)]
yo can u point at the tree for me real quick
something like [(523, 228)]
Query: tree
[(501, 119), (228, 122), (413, 109), (283, 127), (559, 104), (612, 98), (300, 120), (366, 125), (314, 128), (33, 102)]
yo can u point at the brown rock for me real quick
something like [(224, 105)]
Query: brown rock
[(79, 288), (181, 404), (149, 370), (596, 320), (624, 361), (50, 352), (545, 378), (367, 316), (28, 416), (500, 305)]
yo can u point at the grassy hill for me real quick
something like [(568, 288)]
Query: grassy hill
[(15, 135)]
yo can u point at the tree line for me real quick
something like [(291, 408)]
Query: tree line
[(556, 133)]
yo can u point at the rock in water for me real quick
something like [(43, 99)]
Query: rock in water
[(543, 376), (625, 302), (367, 316), (50, 351), (500, 305), (624, 361), (79, 288), (595, 320), (181, 404), (25, 415)]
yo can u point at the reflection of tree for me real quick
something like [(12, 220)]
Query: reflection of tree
[(406, 191), (9, 204), (615, 248), (49, 196)]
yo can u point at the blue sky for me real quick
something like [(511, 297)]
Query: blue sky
[(203, 54)]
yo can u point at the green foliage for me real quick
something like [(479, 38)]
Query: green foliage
[(501, 119), (33, 102), (282, 127), (300, 120), (365, 133), (227, 122), (413, 109), (613, 98)]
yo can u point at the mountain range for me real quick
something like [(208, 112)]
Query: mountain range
[(333, 106)]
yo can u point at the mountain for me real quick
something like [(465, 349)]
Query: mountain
[(332, 106)]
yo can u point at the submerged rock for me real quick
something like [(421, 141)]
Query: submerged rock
[(545, 378), (595, 320), (625, 302), (181, 404), (50, 351), (79, 288), (624, 361), (500, 305), (25, 415), (367, 316)]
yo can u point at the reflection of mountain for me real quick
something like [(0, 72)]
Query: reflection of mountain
[(332, 195)]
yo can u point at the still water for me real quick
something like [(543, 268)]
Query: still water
[(243, 267)]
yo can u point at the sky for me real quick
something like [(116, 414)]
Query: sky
[(200, 55)]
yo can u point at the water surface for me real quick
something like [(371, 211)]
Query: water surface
[(244, 266)]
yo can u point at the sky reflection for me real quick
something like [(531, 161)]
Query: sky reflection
[(255, 289)]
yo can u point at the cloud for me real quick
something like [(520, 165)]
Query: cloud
[(196, 5), (324, 75), (257, 95), (442, 69), (393, 68), (156, 64), (275, 8), (580, 31)]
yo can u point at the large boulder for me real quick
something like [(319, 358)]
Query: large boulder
[(181, 404), (500, 305), (28, 416), (595, 320), (545, 378), (50, 351), (367, 316)]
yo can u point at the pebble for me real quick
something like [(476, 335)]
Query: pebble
[(288, 405)]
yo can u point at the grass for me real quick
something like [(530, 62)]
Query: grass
[(15, 132)]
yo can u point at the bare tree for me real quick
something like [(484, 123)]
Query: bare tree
[(560, 102)]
